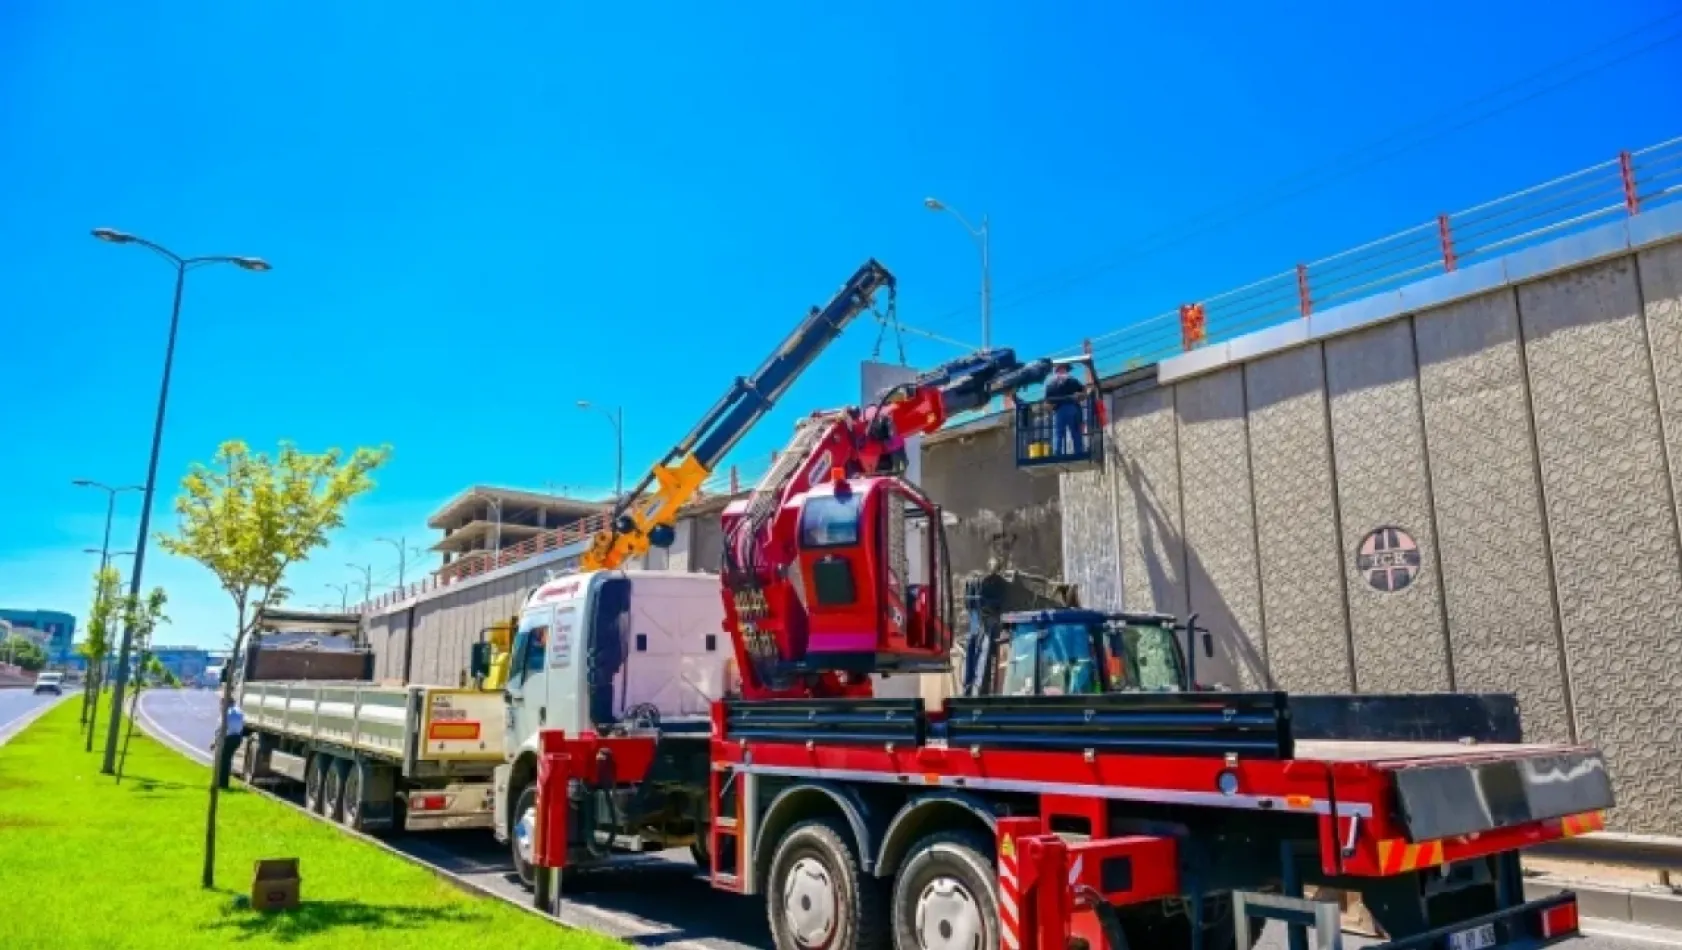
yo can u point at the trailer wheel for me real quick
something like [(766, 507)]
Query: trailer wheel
[(820, 898), (944, 897), (352, 809), (522, 826), (333, 790), (312, 784)]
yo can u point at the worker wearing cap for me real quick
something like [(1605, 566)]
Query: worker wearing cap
[(1063, 394)]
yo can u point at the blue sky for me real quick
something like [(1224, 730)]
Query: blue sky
[(477, 218)]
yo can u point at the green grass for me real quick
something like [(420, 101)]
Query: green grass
[(88, 863)]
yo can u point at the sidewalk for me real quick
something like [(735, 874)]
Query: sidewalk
[(1613, 881)]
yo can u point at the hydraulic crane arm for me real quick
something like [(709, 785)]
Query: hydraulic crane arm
[(645, 516)]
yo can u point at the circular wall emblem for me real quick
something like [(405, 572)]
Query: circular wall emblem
[(1388, 558)]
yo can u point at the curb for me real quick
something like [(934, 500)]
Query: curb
[(1644, 907)]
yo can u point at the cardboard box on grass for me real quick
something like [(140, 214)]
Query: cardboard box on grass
[(274, 884)]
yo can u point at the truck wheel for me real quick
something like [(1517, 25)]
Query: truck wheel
[(820, 898), (944, 895), (352, 809), (312, 784), (333, 790), (522, 826)]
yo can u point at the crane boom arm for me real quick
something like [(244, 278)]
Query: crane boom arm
[(645, 516)]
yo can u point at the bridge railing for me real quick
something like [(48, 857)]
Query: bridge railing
[(1625, 185)]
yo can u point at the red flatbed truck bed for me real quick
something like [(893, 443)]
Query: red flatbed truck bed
[(1125, 821)]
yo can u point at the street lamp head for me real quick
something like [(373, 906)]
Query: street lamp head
[(252, 263), (583, 403), (112, 235), (82, 483), (933, 204)]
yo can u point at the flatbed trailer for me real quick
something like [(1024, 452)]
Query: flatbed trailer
[(376, 758), (1125, 820)]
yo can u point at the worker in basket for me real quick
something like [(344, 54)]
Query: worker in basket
[(1063, 394)]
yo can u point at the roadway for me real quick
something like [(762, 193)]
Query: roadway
[(20, 706), (687, 915)]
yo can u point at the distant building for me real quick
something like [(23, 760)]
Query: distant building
[(187, 663), (483, 519), (59, 628)]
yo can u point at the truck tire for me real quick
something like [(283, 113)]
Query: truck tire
[(313, 777), (521, 824), (944, 896), (333, 790), (351, 810), (819, 896)]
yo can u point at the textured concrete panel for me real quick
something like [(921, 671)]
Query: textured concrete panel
[(1661, 295), (1089, 539), (1613, 528), (1147, 482), (1498, 583), (1378, 445), (1220, 526), (1004, 515), (1301, 586)]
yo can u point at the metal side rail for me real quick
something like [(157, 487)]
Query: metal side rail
[(1538, 923)]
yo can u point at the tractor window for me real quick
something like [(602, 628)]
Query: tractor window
[(1065, 662), (830, 521), (1153, 659)]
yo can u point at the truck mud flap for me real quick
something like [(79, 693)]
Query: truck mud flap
[(842, 721), (1256, 725), (1444, 800), (1422, 717)]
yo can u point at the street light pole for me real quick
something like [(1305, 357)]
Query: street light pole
[(110, 511), (402, 546), (182, 264), (617, 418), (981, 236), (367, 579), (344, 596)]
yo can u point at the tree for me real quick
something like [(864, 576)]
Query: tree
[(24, 653), (248, 519), (141, 617), (102, 623)]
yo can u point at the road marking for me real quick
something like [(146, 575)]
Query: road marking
[(150, 724)]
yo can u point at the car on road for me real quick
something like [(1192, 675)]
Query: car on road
[(50, 683)]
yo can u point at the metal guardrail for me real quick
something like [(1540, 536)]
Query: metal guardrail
[(1626, 185)]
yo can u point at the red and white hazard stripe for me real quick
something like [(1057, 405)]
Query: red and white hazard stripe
[(1010, 899)]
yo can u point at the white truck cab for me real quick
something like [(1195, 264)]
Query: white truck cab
[(622, 651)]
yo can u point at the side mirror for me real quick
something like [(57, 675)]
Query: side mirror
[(479, 662), (1208, 644)]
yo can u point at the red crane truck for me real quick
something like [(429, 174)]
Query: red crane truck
[(1115, 819)]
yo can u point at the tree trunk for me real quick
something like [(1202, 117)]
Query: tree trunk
[(208, 879), (93, 715)]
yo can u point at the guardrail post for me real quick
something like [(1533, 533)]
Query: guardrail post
[(1446, 237), (1632, 194), (1193, 327), (1305, 302)]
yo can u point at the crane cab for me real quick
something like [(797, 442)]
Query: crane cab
[(1086, 652), (1063, 431)]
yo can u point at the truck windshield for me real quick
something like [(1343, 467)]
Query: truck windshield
[(1065, 664)]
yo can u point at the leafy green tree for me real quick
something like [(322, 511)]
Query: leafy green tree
[(24, 653), (103, 617), (248, 518)]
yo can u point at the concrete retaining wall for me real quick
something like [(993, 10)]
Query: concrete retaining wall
[(1509, 437)]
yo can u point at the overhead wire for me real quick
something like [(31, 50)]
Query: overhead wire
[(1341, 167)]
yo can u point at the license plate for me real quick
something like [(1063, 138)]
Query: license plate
[(1475, 939)]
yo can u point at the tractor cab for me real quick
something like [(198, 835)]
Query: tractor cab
[(1090, 652), (1063, 431)]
